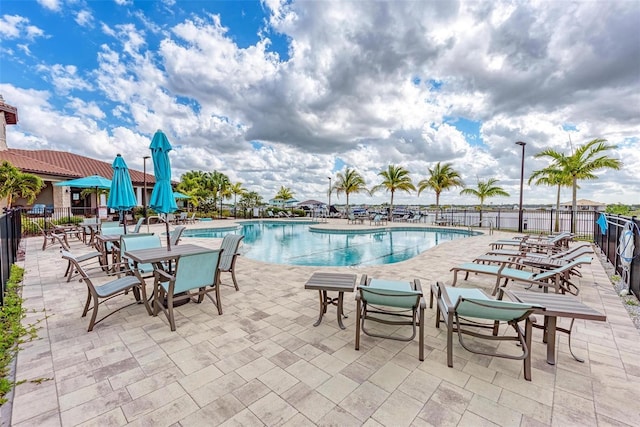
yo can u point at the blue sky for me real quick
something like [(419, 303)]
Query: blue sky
[(288, 93)]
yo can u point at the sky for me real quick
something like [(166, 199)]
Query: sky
[(288, 93)]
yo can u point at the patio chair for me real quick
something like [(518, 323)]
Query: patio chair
[(381, 300), (468, 311), (175, 235), (182, 219), (558, 277), (64, 246), (554, 243), (416, 218), (537, 260), (354, 219), (378, 220), (107, 291), (132, 242), (192, 219), (197, 272), (136, 228), (230, 245)]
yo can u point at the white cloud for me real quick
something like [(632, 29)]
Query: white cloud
[(53, 5), (357, 85), (84, 18)]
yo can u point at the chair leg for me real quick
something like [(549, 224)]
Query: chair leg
[(528, 329), (172, 322), (450, 342), (86, 305), (421, 336), (233, 276), (94, 315), (358, 313)]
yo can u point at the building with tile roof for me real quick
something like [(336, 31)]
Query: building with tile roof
[(56, 166)]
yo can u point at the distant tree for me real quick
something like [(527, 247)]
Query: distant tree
[(15, 184), (349, 182), (284, 194), (237, 190), (441, 178), (552, 176), (618, 209), (393, 179), (582, 164), (485, 190)]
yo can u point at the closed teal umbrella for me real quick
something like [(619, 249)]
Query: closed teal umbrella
[(162, 199), (121, 196), (179, 195)]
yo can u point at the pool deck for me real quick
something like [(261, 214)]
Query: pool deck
[(264, 363)]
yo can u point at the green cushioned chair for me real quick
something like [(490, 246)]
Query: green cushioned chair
[(195, 275), (100, 293), (230, 245), (469, 311), (383, 300), (132, 242)]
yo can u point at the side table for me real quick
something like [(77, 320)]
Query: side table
[(336, 282)]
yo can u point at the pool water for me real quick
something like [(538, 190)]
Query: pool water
[(294, 244)]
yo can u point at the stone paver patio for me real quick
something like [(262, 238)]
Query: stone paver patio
[(263, 363)]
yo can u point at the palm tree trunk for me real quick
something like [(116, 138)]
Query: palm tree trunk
[(437, 204), (347, 205), (391, 208), (557, 225)]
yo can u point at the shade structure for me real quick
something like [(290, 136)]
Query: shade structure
[(178, 195), (121, 196), (162, 199), (93, 181)]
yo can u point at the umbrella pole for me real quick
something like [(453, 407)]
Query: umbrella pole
[(166, 223)]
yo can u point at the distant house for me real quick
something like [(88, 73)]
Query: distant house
[(56, 166), (584, 205)]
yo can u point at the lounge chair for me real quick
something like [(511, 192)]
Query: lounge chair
[(416, 218), (555, 243), (558, 278), (192, 219), (230, 245), (466, 311), (527, 251), (535, 260), (195, 275), (82, 259), (380, 300), (175, 235), (107, 291)]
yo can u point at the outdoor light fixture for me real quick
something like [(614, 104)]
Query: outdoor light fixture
[(520, 212)]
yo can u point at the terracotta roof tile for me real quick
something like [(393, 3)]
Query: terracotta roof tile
[(74, 165), (33, 165)]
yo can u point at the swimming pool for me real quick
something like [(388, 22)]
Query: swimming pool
[(294, 244)]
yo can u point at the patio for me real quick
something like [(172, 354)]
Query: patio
[(263, 363)]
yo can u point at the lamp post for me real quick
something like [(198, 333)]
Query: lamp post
[(144, 189), (329, 206), (520, 212)]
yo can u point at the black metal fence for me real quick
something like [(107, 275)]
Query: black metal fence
[(10, 235), (34, 220), (534, 221), (610, 243)]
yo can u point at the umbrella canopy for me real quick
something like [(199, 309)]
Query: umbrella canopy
[(93, 181), (162, 199), (179, 195), (121, 195)]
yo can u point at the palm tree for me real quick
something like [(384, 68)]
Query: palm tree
[(284, 194), (582, 164), (349, 182), (236, 189), (441, 177), (552, 176), (15, 184), (484, 191), (394, 178)]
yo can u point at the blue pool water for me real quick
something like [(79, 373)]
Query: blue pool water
[(294, 244)]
